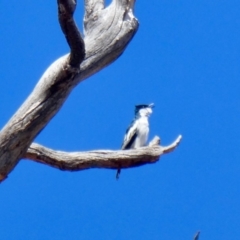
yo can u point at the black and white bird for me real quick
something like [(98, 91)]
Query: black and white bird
[(136, 135)]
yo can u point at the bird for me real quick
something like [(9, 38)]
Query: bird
[(136, 135)]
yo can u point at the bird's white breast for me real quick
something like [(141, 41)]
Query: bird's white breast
[(142, 132)]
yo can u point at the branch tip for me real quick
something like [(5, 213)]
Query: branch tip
[(155, 142), (196, 237), (172, 146)]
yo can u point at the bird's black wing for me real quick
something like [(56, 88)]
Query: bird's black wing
[(130, 136)]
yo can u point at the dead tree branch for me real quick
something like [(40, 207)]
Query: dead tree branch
[(75, 161), (66, 9), (107, 32), (196, 237)]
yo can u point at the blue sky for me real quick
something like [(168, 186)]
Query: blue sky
[(185, 58)]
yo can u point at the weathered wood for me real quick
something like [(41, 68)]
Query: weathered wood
[(107, 32), (73, 36), (75, 161)]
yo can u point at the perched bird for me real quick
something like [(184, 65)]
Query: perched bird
[(137, 133)]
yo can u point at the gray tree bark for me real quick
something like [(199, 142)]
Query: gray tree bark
[(107, 32), (100, 158)]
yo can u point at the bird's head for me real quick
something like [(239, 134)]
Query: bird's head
[(144, 110)]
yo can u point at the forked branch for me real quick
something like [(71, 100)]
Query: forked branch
[(107, 32), (75, 161), (45, 100)]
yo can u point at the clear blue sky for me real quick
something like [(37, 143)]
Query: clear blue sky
[(185, 58)]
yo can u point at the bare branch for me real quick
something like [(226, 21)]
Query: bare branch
[(106, 37), (66, 9), (98, 159), (171, 147), (196, 237), (33, 116), (107, 32)]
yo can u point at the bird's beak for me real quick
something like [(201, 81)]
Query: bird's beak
[(151, 105)]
